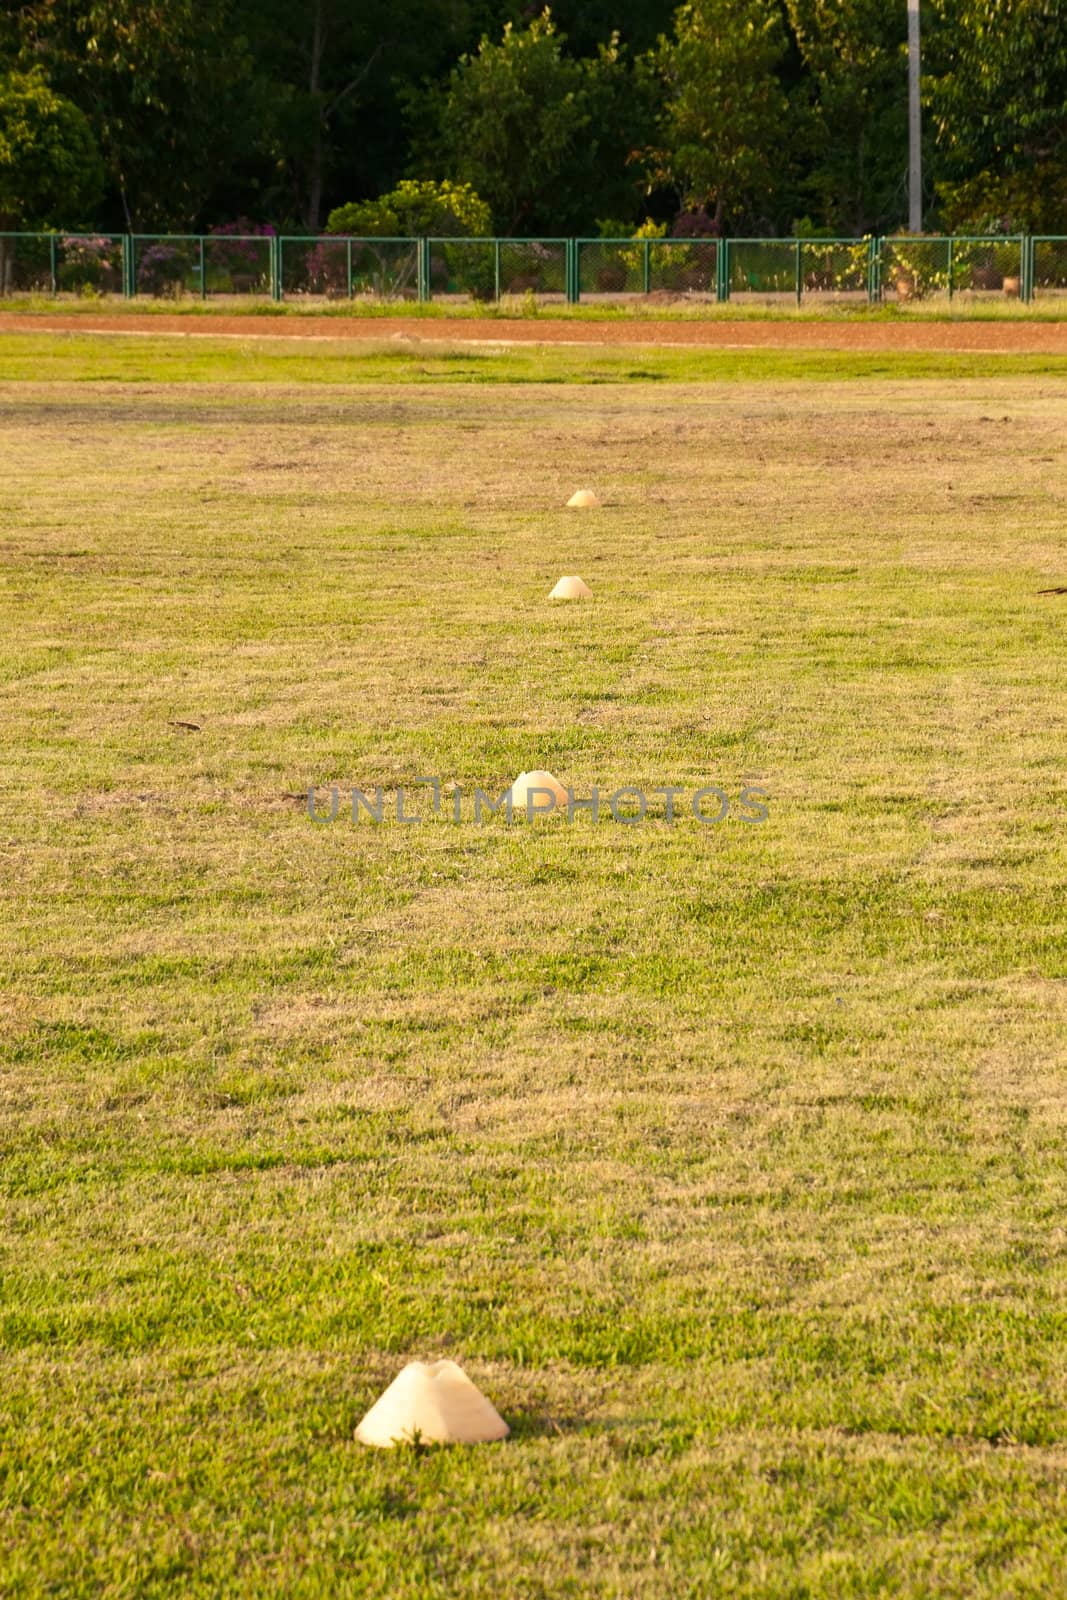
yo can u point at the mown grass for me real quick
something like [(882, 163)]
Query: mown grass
[(728, 1160), (118, 358), (1046, 307)]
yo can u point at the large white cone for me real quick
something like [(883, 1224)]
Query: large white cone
[(583, 497), (435, 1400), (571, 589), (526, 781)]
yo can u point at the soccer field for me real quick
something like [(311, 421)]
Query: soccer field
[(728, 1159)]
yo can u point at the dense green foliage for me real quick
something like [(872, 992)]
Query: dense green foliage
[(414, 209), (725, 113), (1002, 111), (773, 115), (49, 163)]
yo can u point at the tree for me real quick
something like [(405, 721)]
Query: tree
[(637, 22), (543, 137), (416, 210), (849, 111), (996, 84), (50, 168), (164, 85), (331, 73), (724, 125)]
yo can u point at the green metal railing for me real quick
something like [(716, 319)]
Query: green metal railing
[(330, 266)]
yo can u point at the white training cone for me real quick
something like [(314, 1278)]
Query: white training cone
[(531, 787), (571, 589), (436, 1401), (583, 497)]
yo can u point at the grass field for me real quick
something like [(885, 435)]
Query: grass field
[(1048, 306), (728, 1160)]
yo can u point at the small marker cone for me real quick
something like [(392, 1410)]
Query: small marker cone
[(583, 497), (571, 589), (528, 781), (435, 1401)]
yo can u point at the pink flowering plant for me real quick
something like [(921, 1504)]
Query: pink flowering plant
[(90, 261), (241, 250)]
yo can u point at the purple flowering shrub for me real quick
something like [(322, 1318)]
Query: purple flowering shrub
[(236, 248), (163, 268)]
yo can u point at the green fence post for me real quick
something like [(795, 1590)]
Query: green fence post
[(646, 271), (348, 265), (52, 264), (127, 276), (1032, 286), (722, 261), (202, 267), (496, 270), (874, 245), (950, 269), (275, 267), (571, 258), (1026, 267), (799, 278)]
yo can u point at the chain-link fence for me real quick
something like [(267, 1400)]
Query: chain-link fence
[(495, 269), (773, 271), (463, 270), (62, 263), (763, 269), (327, 267), (973, 268), (617, 269), (333, 268), (170, 265), (836, 270), (1048, 266)]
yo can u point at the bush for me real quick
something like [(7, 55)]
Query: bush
[(235, 250), (415, 210), (90, 262), (163, 269), (694, 224)]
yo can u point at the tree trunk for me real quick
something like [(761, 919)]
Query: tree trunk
[(314, 205), (314, 195), (7, 255)]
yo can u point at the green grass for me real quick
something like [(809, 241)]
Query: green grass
[(1049, 306), (102, 358), (728, 1161)]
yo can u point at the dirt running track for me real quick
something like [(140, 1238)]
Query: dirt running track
[(1034, 338)]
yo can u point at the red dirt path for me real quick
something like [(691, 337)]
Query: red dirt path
[(1036, 338)]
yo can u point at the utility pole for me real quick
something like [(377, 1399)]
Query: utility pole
[(915, 154)]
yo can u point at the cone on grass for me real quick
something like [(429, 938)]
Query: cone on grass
[(571, 589), (434, 1402), (526, 782), (583, 498)]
